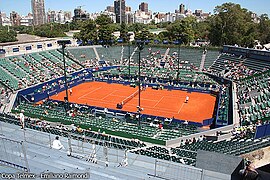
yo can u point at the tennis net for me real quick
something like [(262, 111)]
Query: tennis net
[(127, 99)]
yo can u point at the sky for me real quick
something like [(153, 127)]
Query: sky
[(23, 7)]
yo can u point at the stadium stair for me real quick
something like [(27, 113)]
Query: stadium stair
[(96, 53), (74, 60)]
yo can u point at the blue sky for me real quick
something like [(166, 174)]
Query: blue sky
[(24, 6)]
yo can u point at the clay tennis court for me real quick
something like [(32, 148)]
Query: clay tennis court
[(155, 102)]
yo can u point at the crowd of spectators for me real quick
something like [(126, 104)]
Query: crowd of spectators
[(155, 69), (4, 96), (243, 131), (253, 97), (233, 67), (192, 140)]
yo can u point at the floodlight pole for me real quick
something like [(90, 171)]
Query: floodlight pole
[(129, 59), (140, 45), (178, 63), (63, 43), (65, 72), (129, 55), (178, 58)]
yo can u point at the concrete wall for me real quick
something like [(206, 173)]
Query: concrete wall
[(176, 142)]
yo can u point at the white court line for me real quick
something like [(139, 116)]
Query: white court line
[(181, 108), (108, 95), (90, 92), (89, 98), (158, 102), (158, 110), (144, 99), (127, 105)]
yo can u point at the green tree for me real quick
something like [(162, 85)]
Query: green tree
[(264, 29), (124, 32), (103, 20), (183, 28), (144, 35), (105, 29), (7, 36), (105, 33), (136, 27), (88, 32), (202, 30), (50, 30), (230, 25)]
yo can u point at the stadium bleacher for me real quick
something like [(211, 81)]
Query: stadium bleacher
[(84, 56), (111, 54), (109, 125), (193, 56), (252, 78), (253, 98)]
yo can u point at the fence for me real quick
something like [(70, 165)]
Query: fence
[(173, 171), (12, 153), (176, 142), (96, 150), (40, 138)]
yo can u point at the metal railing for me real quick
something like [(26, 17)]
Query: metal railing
[(13, 154), (174, 171)]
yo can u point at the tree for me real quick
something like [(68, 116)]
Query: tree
[(264, 29), (230, 25), (105, 29), (99, 31), (7, 36), (202, 30), (124, 32), (105, 34), (144, 35), (136, 27), (103, 20), (49, 30), (88, 32), (184, 27)]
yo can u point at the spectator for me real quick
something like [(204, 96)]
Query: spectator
[(106, 110), (249, 173), (57, 144), (22, 119), (185, 123), (79, 129), (200, 138)]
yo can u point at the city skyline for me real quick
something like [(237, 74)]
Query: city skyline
[(23, 7)]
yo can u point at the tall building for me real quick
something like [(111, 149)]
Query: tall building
[(27, 20), (5, 19), (182, 9), (51, 16), (128, 9), (198, 12), (80, 14), (143, 7), (120, 10), (68, 16), (38, 10), (15, 19), (110, 9)]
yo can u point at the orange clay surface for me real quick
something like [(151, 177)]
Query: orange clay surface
[(154, 102)]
